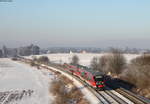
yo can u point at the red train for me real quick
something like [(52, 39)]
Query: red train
[(94, 79)]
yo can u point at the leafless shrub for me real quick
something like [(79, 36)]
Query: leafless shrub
[(113, 62), (103, 64), (138, 72), (116, 61), (14, 58), (43, 59), (142, 60), (32, 63), (34, 58), (100, 64), (75, 60), (95, 64)]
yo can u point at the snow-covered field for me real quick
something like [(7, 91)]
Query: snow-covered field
[(85, 58), (23, 84)]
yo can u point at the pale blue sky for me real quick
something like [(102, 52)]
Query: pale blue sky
[(93, 23)]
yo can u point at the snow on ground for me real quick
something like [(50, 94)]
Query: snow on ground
[(19, 77), (85, 58)]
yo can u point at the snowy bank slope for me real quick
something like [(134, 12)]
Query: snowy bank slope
[(18, 77)]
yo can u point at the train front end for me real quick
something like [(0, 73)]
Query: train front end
[(99, 80)]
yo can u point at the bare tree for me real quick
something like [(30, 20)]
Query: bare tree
[(138, 72), (116, 61), (43, 59), (113, 62), (103, 64), (95, 63), (100, 64), (75, 60)]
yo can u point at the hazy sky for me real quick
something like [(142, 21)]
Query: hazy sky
[(89, 23)]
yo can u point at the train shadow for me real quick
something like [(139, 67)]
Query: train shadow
[(115, 83)]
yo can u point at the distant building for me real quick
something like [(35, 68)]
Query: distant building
[(29, 50), (22, 51), (48, 52), (1, 53), (11, 52), (83, 52), (70, 52), (5, 51), (35, 50)]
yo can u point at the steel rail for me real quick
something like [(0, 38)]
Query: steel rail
[(132, 97)]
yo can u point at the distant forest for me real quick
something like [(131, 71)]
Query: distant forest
[(36, 50)]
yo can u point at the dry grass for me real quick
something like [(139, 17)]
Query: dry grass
[(83, 101), (56, 86), (75, 94), (32, 63), (64, 95), (65, 79)]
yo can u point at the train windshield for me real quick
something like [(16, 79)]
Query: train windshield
[(98, 78)]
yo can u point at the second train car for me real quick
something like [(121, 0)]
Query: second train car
[(94, 79)]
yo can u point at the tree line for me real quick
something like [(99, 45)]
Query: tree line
[(21, 51)]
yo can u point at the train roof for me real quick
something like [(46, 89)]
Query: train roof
[(95, 73)]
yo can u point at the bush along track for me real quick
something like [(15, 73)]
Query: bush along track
[(66, 92)]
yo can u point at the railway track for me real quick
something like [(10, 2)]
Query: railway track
[(119, 96), (101, 99), (117, 99), (105, 97), (134, 98), (109, 96)]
